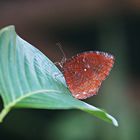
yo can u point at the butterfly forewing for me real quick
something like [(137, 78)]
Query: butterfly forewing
[(85, 72)]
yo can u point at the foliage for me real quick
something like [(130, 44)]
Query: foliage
[(28, 80)]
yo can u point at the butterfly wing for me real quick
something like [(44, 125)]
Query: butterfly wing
[(85, 72)]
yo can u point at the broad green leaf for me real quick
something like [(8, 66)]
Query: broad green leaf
[(28, 79)]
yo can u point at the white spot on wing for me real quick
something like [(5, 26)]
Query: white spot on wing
[(84, 93), (76, 95), (97, 52), (85, 69)]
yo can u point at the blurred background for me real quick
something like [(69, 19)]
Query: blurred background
[(103, 25)]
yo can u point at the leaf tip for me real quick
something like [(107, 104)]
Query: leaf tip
[(114, 121)]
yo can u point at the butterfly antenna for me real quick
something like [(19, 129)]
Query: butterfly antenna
[(64, 56)]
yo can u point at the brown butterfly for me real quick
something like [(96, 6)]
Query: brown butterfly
[(85, 72)]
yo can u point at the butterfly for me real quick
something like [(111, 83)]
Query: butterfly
[(85, 72)]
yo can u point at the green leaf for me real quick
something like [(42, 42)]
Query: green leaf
[(28, 79)]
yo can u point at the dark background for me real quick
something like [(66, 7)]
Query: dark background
[(104, 25)]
